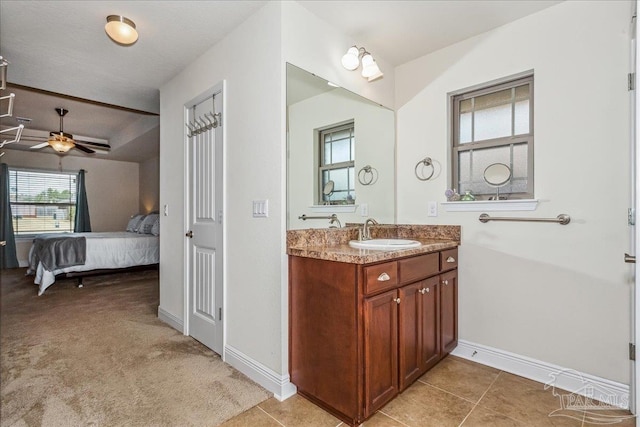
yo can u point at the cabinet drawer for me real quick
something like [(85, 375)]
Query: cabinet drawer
[(419, 267), (380, 277), (449, 259)]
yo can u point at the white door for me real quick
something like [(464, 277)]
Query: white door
[(634, 400), (204, 228)]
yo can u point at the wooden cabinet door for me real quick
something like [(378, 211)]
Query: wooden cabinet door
[(410, 332), (449, 311), (419, 329), (430, 323), (380, 350)]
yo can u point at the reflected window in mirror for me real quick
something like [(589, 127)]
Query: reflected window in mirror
[(493, 123), (337, 164)]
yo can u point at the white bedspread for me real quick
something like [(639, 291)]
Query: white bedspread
[(118, 249)]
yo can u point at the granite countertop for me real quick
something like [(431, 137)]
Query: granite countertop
[(333, 244)]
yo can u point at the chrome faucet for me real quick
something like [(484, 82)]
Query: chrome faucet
[(334, 218), (366, 233)]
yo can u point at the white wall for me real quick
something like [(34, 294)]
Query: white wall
[(375, 145), (249, 61), (150, 185), (560, 294), (256, 298), (112, 188)]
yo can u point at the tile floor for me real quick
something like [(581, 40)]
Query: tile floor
[(456, 392)]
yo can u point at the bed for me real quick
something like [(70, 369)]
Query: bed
[(106, 252)]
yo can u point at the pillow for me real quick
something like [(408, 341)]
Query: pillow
[(147, 223), (134, 223), (155, 229)]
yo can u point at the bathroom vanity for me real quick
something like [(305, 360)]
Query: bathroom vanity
[(365, 324)]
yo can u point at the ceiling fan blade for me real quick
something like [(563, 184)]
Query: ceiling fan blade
[(94, 144), (85, 149), (37, 147)]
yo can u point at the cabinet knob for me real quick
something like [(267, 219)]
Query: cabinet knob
[(446, 282), (397, 300), (424, 291), (189, 234), (383, 277), (451, 259)]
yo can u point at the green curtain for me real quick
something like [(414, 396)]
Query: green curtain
[(82, 220), (8, 258)]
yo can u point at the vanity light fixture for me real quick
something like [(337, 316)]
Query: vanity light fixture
[(354, 56), (121, 30)]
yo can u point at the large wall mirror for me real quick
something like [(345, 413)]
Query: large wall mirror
[(341, 154)]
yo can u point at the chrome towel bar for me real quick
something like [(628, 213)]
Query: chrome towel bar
[(562, 219), (304, 217), (333, 218)]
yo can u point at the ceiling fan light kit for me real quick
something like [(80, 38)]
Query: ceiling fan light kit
[(121, 30), (61, 142)]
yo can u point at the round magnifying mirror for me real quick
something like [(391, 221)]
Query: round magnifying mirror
[(497, 174), (328, 188)]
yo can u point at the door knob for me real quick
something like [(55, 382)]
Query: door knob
[(629, 259), (189, 234)]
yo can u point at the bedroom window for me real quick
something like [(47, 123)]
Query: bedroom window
[(493, 124), (337, 161), (42, 201)]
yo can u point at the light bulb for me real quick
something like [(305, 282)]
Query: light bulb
[(369, 66), (350, 59)]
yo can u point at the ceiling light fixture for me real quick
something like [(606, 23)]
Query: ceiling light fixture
[(61, 143), (121, 30), (351, 60)]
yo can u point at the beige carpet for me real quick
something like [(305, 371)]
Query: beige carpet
[(99, 356)]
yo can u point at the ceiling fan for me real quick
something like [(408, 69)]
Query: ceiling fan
[(63, 142)]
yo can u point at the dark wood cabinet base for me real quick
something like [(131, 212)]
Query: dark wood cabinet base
[(361, 334)]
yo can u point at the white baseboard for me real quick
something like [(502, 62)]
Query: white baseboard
[(602, 389), (280, 385), (170, 319)]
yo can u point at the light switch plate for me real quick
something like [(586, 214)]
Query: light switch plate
[(364, 209), (260, 208)]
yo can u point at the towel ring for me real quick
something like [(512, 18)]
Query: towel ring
[(368, 175), (424, 162)]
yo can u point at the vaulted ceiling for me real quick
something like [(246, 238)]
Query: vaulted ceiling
[(61, 47)]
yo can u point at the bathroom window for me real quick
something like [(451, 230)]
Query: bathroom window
[(494, 124), (42, 201), (336, 167)]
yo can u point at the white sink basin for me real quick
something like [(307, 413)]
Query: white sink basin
[(384, 244)]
